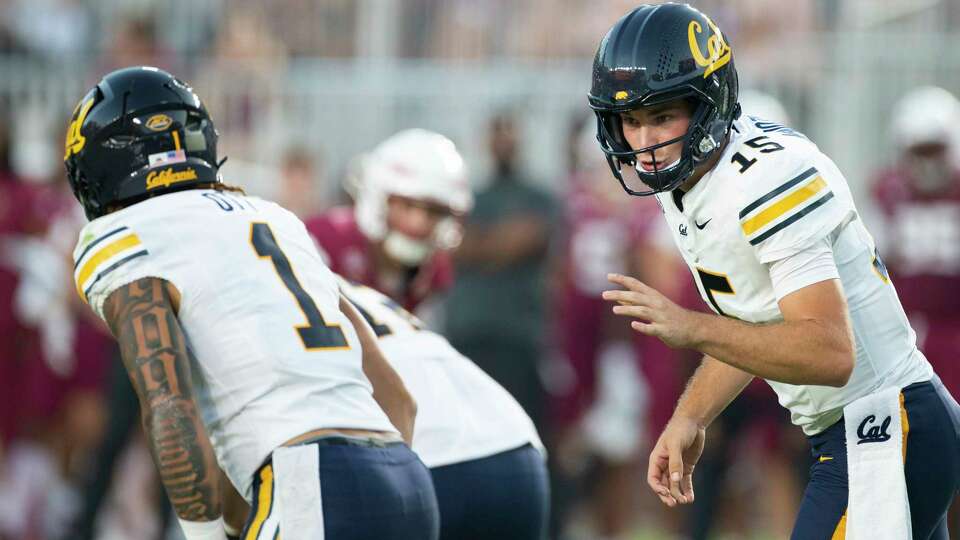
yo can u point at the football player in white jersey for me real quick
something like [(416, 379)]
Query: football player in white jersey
[(241, 349), (769, 230), (483, 451)]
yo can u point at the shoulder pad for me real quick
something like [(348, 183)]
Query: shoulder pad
[(102, 253), (794, 196)]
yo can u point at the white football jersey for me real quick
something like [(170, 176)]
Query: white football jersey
[(771, 195), (274, 355), (462, 413)]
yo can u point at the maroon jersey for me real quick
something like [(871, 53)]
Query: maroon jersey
[(42, 392), (922, 253), (10, 355), (20, 206), (602, 234), (19, 346), (349, 253)]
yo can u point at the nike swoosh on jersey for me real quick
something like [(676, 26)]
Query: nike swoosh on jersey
[(104, 255), (699, 226), (825, 458), (784, 206)]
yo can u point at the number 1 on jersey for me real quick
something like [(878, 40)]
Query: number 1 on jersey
[(316, 334)]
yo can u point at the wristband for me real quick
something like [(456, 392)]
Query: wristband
[(203, 530), (231, 532)]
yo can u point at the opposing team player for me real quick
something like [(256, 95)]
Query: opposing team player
[(410, 194), (233, 332), (768, 227)]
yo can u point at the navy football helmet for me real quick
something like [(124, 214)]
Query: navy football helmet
[(139, 132), (656, 54)]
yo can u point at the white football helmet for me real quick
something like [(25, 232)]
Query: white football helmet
[(925, 115), (928, 115), (417, 164)]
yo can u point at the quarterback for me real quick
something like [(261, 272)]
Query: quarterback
[(241, 349), (767, 225)]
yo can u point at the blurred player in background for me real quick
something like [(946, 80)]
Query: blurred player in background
[(919, 197), (410, 194), (604, 413), (228, 374), (768, 227), (56, 354)]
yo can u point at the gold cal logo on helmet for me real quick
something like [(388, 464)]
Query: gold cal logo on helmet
[(621, 95), (158, 122), (167, 176), (75, 140), (717, 48)]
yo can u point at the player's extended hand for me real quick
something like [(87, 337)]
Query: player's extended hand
[(659, 316), (670, 473)]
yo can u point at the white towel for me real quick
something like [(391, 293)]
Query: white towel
[(296, 471), (878, 508)]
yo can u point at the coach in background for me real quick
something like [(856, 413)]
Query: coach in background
[(496, 310)]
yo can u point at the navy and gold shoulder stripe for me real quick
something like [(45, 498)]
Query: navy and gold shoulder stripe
[(784, 206), (103, 255)]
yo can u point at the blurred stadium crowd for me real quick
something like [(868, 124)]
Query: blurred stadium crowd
[(299, 87)]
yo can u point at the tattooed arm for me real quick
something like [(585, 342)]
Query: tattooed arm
[(142, 317)]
